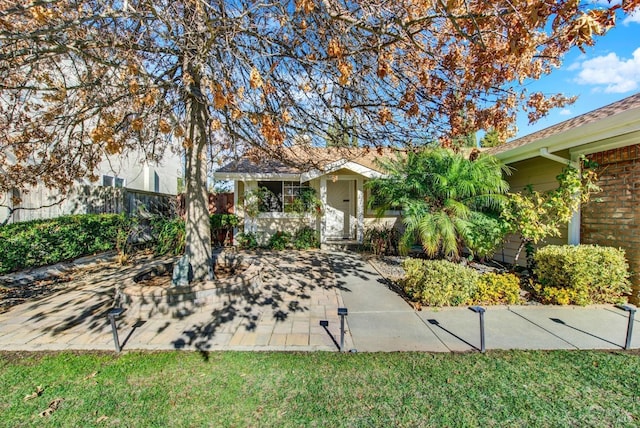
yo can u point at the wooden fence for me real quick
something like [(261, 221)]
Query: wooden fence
[(41, 203)]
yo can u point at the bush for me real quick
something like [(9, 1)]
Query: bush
[(170, 235), (279, 240), (486, 234), (223, 221), (497, 288), (582, 275), (247, 241), (44, 242), (439, 282), (306, 238), (382, 240), (221, 227)]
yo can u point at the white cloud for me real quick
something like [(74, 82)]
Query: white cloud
[(565, 112), (610, 73), (633, 17)]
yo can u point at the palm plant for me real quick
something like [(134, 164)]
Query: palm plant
[(440, 192)]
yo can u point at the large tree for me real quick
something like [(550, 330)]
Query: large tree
[(82, 79)]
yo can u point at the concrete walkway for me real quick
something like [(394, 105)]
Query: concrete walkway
[(284, 309), (380, 320)]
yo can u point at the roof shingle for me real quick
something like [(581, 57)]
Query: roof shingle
[(593, 116)]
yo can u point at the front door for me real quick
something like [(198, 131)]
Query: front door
[(339, 210)]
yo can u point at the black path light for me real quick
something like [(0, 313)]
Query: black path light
[(480, 310), (632, 312), (343, 312), (112, 314)]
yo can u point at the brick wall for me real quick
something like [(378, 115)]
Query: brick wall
[(613, 219)]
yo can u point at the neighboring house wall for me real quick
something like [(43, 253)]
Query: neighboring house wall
[(133, 172), (129, 172), (541, 174), (613, 218)]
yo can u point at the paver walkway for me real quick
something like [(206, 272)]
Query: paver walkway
[(295, 291)]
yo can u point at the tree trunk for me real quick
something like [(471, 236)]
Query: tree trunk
[(198, 227)]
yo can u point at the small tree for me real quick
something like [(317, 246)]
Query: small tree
[(491, 139), (539, 215)]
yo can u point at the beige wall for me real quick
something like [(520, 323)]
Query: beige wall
[(269, 223)]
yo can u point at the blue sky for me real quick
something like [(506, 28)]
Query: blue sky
[(605, 73)]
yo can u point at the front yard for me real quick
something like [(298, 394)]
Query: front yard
[(515, 388)]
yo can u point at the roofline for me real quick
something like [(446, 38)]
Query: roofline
[(340, 164), (624, 123), (245, 176)]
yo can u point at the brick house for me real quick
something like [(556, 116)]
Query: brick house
[(609, 136)]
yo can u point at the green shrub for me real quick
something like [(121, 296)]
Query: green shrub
[(279, 240), (439, 282), (497, 288), (170, 235), (382, 240), (221, 227), (582, 275), (306, 238), (45, 242), (486, 234), (247, 241), (223, 221)]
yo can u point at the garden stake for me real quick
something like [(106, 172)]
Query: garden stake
[(480, 310), (112, 314), (632, 312), (343, 312)]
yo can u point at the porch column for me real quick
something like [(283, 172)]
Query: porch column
[(574, 228), (360, 210)]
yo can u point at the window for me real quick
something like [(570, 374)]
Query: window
[(109, 181), (284, 196)]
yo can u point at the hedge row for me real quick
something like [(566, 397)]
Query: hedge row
[(580, 275), (44, 242), (443, 283)]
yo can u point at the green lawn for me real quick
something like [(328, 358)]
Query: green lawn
[(556, 388)]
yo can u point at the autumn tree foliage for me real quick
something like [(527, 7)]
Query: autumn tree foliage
[(82, 79)]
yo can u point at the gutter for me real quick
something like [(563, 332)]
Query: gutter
[(544, 152)]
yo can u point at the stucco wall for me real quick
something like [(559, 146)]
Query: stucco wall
[(613, 218)]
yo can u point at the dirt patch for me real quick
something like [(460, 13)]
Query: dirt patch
[(161, 276)]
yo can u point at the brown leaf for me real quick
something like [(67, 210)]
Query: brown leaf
[(38, 392), (102, 419), (53, 406)]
